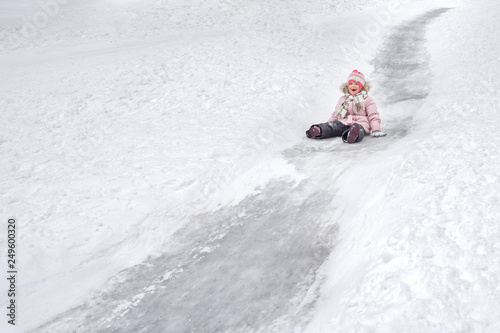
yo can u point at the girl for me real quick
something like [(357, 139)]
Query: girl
[(355, 114)]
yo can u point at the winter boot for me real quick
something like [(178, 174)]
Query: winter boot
[(313, 132), (351, 135)]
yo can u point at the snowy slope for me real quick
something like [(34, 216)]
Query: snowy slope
[(154, 156)]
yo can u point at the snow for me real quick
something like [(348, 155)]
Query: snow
[(154, 156)]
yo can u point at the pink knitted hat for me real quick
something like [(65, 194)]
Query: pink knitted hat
[(358, 77)]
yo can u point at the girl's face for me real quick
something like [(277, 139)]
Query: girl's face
[(353, 87)]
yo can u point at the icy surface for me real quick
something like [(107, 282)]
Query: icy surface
[(154, 155)]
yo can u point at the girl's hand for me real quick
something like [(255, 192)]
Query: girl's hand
[(378, 134)]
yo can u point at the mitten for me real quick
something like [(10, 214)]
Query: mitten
[(378, 134)]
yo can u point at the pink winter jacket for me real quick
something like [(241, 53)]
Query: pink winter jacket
[(369, 118)]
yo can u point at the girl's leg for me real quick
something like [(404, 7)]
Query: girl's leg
[(355, 133), (327, 130)]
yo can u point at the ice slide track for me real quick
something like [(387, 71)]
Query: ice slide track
[(403, 61), (244, 267), (234, 270)]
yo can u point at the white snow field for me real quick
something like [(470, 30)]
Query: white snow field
[(154, 158)]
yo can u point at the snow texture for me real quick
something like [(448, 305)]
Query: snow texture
[(154, 156)]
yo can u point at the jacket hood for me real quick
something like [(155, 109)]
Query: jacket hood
[(366, 87)]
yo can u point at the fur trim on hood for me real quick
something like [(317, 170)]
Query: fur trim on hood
[(366, 87)]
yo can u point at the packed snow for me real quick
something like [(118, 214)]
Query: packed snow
[(154, 158)]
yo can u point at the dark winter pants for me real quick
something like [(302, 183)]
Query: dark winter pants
[(336, 128)]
